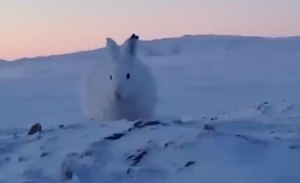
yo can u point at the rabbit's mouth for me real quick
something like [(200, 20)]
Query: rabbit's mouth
[(117, 96), (121, 96)]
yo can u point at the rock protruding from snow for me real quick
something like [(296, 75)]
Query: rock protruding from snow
[(37, 127), (154, 151)]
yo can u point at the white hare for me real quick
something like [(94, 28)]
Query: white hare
[(122, 88)]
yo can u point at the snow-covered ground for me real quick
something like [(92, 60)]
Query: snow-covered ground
[(228, 111)]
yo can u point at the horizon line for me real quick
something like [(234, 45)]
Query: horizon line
[(153, 39)]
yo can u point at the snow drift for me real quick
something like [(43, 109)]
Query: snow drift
[(228, 111)]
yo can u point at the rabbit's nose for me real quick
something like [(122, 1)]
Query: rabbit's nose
[(117, 95)]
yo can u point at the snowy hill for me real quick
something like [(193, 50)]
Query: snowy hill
[(228, 111), (260, 148), (2, 62)]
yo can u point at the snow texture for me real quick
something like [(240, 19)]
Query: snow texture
[(228, 110)]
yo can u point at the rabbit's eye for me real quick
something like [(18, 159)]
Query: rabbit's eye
[(127, 75), (110, 77)]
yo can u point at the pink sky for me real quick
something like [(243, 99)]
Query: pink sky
[(33, 27)]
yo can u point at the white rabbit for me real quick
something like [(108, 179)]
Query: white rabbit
[(122, 88)]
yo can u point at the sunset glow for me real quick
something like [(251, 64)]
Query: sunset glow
[(34, 27)]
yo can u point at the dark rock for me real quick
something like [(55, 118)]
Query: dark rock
[(209, 127), (61, 126), (140, 124), (129, 170), (35, 128), (86, 153), (137, 124), (242, 136), (168, 144), (259, 107), (44, 154), (21, 159), (137, 157), (214, 119), (255, 141), (130, 129), (114, 136), (189, 163), (290, 107)]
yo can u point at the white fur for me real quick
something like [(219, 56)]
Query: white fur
[(138, 93)]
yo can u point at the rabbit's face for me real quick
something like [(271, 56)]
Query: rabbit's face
[(123, 82), (124, 74)]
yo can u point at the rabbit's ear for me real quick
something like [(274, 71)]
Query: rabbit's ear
[(130, 49), (113, 49)]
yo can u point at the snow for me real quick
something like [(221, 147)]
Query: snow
[(228, 111)]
